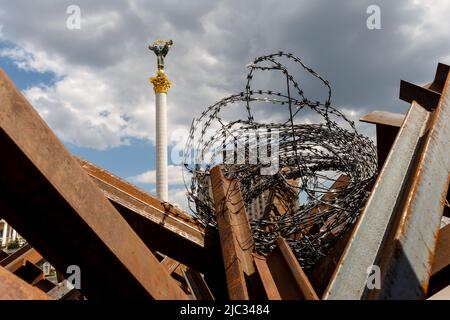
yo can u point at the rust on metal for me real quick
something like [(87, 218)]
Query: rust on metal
[(349, 279), (65, 216), (267, 279), (235, 234), (282, 276), (442, 252), (416, 233), (17, 259), (197, 285), (387, 127), (185, 240), (427, 98), (386, 118), (170, 264), (14, 288)]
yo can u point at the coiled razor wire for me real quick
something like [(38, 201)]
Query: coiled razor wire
[(322, 175)]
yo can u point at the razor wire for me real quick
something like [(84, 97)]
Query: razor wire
[(322, 175)]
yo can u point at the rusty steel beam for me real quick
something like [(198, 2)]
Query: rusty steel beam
[(391, 119), (235, 234), (30, 273), (18, 258), (321, 275), (161, 226), (427, 98), (398, 228), (444, 294), (50, 200), (282, 276), (387, 127), (14, 288), (45, 285), (197, 285), (170, 264), (406, 261), (442, 253)]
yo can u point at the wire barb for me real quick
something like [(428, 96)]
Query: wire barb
[(322, 175)]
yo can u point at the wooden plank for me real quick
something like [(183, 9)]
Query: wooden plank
[(50, 200), (235, 234)]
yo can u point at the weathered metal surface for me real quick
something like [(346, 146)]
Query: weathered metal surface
[(444, 294), (170, 264), (63, 289), (407, 260), (321, 275), (197, 285), (235, 234), (30, 273), (442, 252), (14, 288), (440, 77), (377, 117), (282, 275), (17, 259), (185, 240), (50, 200), (387, 127), (349, 280), (398, 228), (283, 254), (427, 98), (267, 279), (45, 285)]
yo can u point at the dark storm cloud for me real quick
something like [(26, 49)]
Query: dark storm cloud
[(214, 40)]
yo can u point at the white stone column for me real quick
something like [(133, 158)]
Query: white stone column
[(4, 234), (161, 85), (162, 188)]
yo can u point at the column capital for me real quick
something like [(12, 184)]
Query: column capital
[(161, 83)]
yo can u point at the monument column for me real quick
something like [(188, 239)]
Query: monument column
[(161, 85)]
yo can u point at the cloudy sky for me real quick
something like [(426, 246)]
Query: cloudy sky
[(91, 84)]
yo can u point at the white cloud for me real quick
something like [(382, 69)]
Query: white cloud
[(102, 98), (175, 176)]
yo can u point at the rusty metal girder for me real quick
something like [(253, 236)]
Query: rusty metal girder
[(17, 259), (50, 200), (282, 276), (387, 127), (235, 234), (442, 256), (398, 228), (14, 288), (161, 226)]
